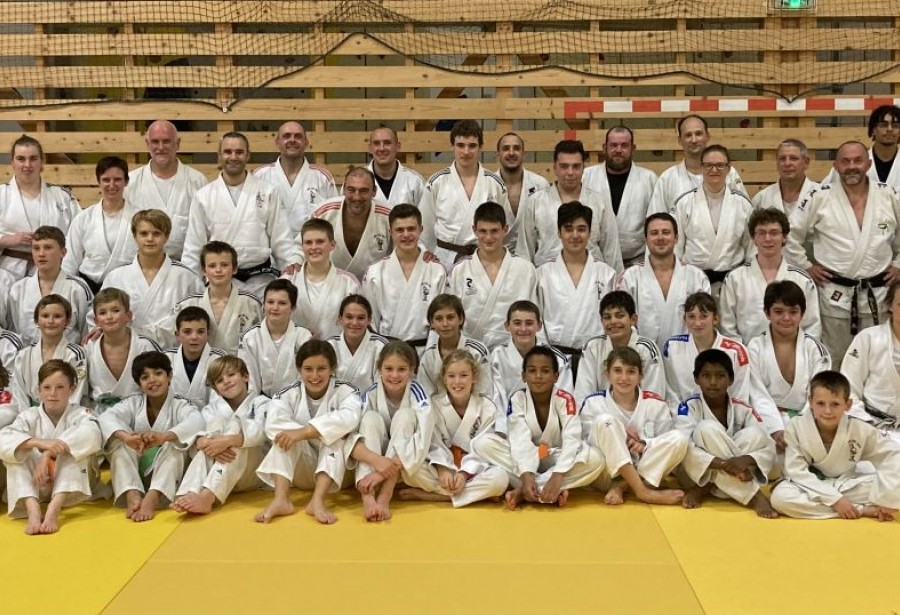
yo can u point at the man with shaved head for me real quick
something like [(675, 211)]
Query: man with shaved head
[(301, 185), (852, 226), (166, 183)]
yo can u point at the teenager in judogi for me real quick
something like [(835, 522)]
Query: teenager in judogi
[(357, 346), (246, 212), (451, 196), (395, 183), (491, 279), (301, 185), (660, 285), (153, 280), (401, 286), (100, 237), (520, 182), (192, 357), (627, 188), (791, 162), (166, 183), (27, 202)]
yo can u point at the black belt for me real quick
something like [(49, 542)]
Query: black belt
[(716, 276), (876, 281), (576, 354), (20, 254), (414, 343), (94, 286), (248, 272), (461, 251)]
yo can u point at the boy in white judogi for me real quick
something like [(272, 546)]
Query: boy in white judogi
[(48, 247), (147, 437), (232, 444), (191, 358), (321, 286), (232, 310), (741, 314), (153, 281), (48, 452), (401, 286), (111, 354), (269, 348), (451, 196), (571, 286), (824, 448), (243, 210), (730, 454), (491, 279), (545, 454), (311, 425), (357, 347)]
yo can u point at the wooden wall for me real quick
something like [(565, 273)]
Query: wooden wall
[(86, 77)]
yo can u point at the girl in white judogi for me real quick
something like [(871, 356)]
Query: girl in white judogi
[(396, 430), (312, 427), (147, 437), (824, 448), (52, 315), (48, 452), (270, 348), (231, 446), (357, 347), (452, 473), (545, 454), (634, 432), (730, 454)]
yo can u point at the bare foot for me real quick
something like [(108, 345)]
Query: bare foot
[(563, 498), (665, 497), (147, 510), (277, 508), (513, 498), (49, 526), (196, 503), (693, 497), (615, 495), (421, 495), (133, 499), (35, 518), (877, 512), (760, 503), (318, 510), (370, 507)]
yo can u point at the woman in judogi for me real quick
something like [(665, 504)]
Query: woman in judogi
[(357, 347)]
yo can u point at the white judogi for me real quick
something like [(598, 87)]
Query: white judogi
[(539, 236), (404, 432), (447, 212), (271, 364), (10, 345), (592, 371), (531, 183), (893, 178), (486, 302), (676, 180), (28, 363), (144, 190), (633, 207), (25, 294), (318, 303), (6, 281), (313, 186), (78, 428), (152, 303), (557, 448), (451, 446), (248, 420), (400, 304), (571, 313), (700, 244), (818, 476), (741, 314), (94, 247), (335, 416), (770, 197), (870, 366), (374, 244), (679, 353), (105, 389), (407, 188), (243, 310), (744, 435), (604, 425), (195, 391), (358, 368), (429, 373), (661, 317), (57, 208), (256, 227), (774, 398), (507, 365), (177, 415)]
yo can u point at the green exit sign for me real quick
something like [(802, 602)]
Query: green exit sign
[(793, 5)]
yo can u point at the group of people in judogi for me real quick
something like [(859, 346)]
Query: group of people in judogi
[(480, 334)]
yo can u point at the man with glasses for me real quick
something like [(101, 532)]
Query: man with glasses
[(793, 185), (741, 314)]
